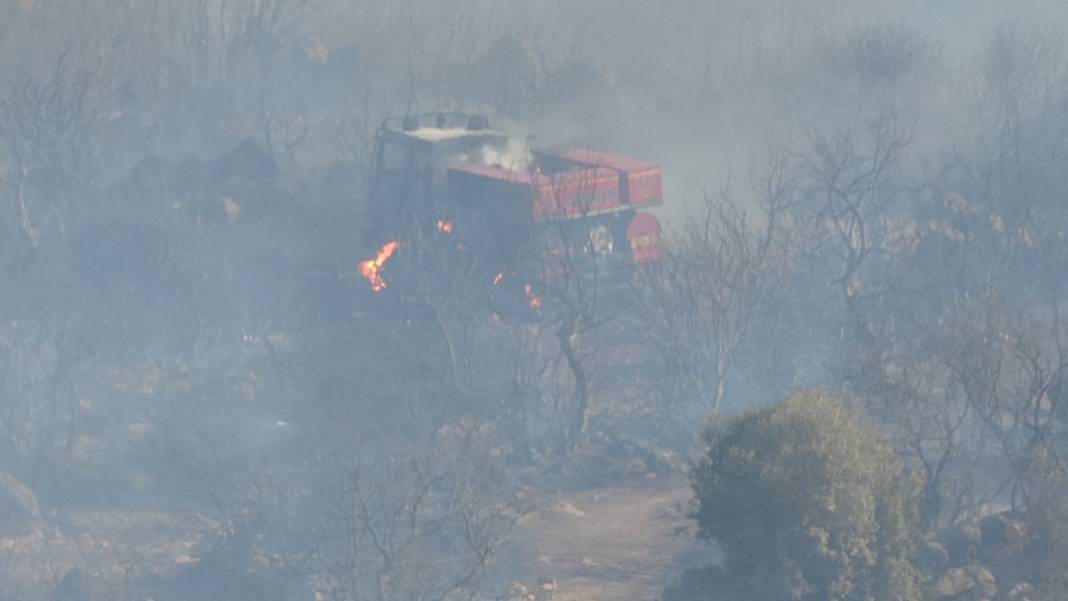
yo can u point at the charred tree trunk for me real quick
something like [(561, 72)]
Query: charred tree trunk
[(568, 335)]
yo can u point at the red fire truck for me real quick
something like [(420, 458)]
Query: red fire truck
[(512, 206)]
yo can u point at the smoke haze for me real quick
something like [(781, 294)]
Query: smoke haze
[(264, 337)]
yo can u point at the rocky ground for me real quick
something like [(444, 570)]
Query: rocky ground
[(981, 558), (604, 544), (112, 550), (608, 523)]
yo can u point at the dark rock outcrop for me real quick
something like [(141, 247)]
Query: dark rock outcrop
[(1006, 528), (248, 161)]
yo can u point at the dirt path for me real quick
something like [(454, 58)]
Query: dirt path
[(610, 543)]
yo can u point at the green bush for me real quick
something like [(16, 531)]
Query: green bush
[(807, 502)]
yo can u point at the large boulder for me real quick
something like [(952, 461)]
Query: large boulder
[(985, 581), (971, 582), (1006, 528), (933, 557), (1021, 592), (248, 161), (20, 514), (954, 583)]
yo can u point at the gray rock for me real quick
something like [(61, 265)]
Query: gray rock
[(954, 582), (1021, 592), (19, 512), (984, 578), (933, 556)]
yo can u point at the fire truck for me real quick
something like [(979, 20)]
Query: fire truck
[(518, 209)]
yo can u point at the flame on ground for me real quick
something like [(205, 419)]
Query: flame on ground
[(371, 267), (444, 226), (533, 300)]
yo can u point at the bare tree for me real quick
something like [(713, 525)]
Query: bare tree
[(417, 517), (575, 269), (47, 131), (698, 307)]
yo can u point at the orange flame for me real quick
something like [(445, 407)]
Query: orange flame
[(497, 278), (444, 226), (371, 267), (533, 300)]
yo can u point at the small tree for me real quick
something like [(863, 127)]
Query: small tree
[(807, 503)]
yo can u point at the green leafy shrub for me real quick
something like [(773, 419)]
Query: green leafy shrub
[(807, 502)]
